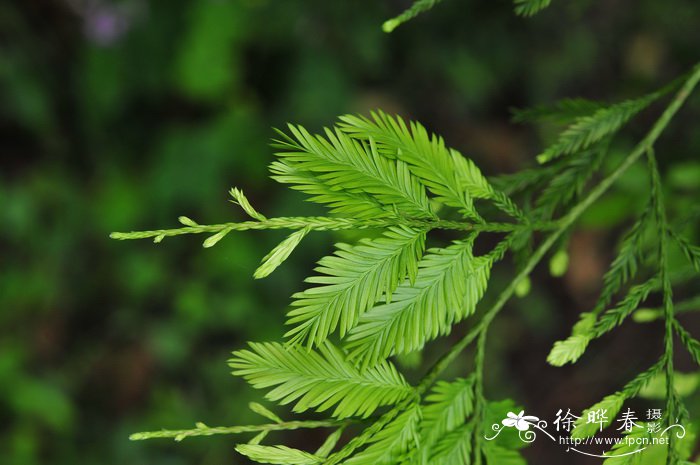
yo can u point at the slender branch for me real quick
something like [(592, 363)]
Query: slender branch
[(204, 430), (667, 299), (321, 223)]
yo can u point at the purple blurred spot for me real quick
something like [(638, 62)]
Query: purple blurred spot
[(106, 24)]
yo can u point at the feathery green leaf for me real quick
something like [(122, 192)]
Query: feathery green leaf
[(279, 455), (213, 239), (453, 448), (330, 442), (264, 411), (241, 200), (568, 350), (571, 349), (497, 455), (626, 263), (608, 408), (280, 253), (691, 252), (611, 405), (690, 343), (427, 156), (587, 130), (569, 182), (351, 165), (449, 405), (352, 280), (358, 205), (185, 221), (393, 441), (615, 316), (450, 283), (319, 379)]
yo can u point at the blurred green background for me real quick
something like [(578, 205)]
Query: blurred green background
[(123, 115)]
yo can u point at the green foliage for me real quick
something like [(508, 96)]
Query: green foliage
[(691, 252), (564, 111), (454, 448), (352, 281), (330, 442), (589, 129), (623, 268), (418, 7), (690, 343), (319, 379), (615, 316), (570, 181), (343, 163), (522, 8), (445, 432), (569, 350), (386, 295), (627, 452), (530, 7), (241, 200), (280, 455), (162, 118), (449, 284), (280, 253), (349, 204), (439, 168), (625, 264), (684, 384), (497, 455), (391, 443), (448, 406), (610, 406)]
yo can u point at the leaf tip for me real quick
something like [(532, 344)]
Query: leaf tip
[(390, 25)]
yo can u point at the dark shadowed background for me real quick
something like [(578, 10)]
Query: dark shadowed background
[(123, 115)]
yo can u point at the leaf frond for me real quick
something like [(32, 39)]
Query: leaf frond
[(358, 205), (278, 455), (449, 284), (448, 406), (426, 155), (319, 379), (587, 130), (347, 164), (353, 280), (393, 441), (454, 448), (280, 253)]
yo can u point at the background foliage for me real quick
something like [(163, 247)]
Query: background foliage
[(124, 115)]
